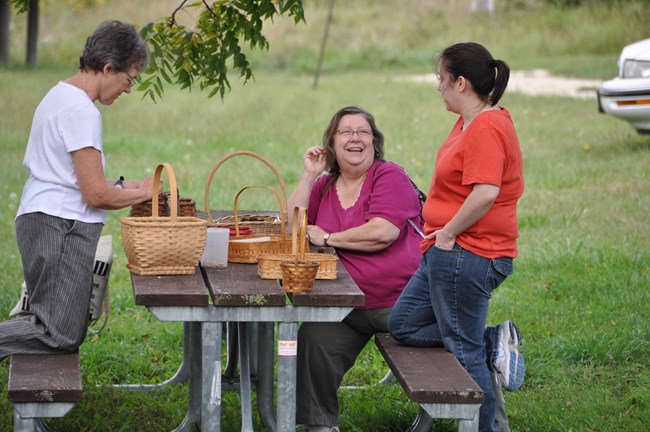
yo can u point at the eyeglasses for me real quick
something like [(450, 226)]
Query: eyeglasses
[(131, 79), (361, 133)]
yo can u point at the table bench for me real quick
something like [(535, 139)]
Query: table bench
[(434, 379), (42, 386)]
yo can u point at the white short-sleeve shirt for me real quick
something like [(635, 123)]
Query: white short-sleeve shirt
[(66, 120)]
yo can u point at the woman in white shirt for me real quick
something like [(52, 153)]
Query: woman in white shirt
[(65, 198)]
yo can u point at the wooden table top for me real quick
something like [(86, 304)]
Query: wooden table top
[(170, 290), (239, 285)]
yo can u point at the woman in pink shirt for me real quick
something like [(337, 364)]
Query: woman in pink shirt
[(363, 207), (470, 231)]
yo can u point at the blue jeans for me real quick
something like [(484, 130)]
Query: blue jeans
[(446, 304)]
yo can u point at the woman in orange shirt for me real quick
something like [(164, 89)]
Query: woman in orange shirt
[(471, 229)]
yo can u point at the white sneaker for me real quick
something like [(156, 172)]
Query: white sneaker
[(22, 307), (509, 363)]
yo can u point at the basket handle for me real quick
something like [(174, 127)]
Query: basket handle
[(298, 239), (173, 191), (283, 189), (277, 197)]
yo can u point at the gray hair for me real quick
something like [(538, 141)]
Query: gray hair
[(117, 44)]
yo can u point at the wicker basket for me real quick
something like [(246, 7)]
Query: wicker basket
[(259, 224), (298, 276), (268, 265), (186, 207), (157, 245), (246, 248), (144, 208)]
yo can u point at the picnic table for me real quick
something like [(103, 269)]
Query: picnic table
[(236, 295)]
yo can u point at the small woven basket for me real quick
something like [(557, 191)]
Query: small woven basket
[(258, 224), (298, 276), (144, 208), (156, 245), (186, 207), (246, 248), (268, 265)]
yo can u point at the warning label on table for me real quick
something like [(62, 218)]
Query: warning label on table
[(287, 348)]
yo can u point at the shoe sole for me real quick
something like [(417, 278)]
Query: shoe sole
[(509, 341)]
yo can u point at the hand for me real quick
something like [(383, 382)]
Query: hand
[(314, 160), (444, 240), (132, 184), (147, 185), (315, 234)]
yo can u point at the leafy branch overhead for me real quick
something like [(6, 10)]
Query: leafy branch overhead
[(200, 55)]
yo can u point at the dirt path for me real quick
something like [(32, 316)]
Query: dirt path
[(537, 82)]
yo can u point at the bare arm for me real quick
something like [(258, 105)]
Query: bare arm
[(97, 191), (375, 235), (477, 203), (313, 165)]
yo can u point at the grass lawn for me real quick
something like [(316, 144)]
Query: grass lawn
[(581, 287)]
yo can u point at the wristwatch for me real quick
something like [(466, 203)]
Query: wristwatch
[(119, 183), (326, 237)]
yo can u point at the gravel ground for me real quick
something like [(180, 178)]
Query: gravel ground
[(537, 82)]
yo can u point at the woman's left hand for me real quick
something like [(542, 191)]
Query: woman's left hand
[(315, 235), (444, 240)]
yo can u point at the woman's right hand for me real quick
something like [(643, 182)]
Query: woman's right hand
[(147, 186), (314, 160)]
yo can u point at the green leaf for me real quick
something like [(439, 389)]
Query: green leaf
[(199, 56)]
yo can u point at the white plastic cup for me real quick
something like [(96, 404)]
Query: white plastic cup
[(215, 253)]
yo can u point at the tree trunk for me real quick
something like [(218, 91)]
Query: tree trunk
[(5, 18), (323, 42), (32, 34)]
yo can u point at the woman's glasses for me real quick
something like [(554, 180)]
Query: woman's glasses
[(131, 79), (361, 133)]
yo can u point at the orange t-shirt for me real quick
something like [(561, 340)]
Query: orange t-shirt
[(487, 152)]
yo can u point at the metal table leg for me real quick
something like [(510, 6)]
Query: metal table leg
[(193, 339), (422, 423), (245, 379), (230, 373), (265, 379), (205, 378), (287, 362), (211, 376)]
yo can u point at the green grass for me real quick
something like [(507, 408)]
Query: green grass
[(581, 285)]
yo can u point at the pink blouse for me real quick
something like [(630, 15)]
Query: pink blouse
[(386, 193)]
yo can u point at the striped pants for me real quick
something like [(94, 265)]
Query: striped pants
[(57, 256)]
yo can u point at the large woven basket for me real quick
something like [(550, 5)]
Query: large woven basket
[(246, 248), (157, 245), (257, 223), (269, 265)]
